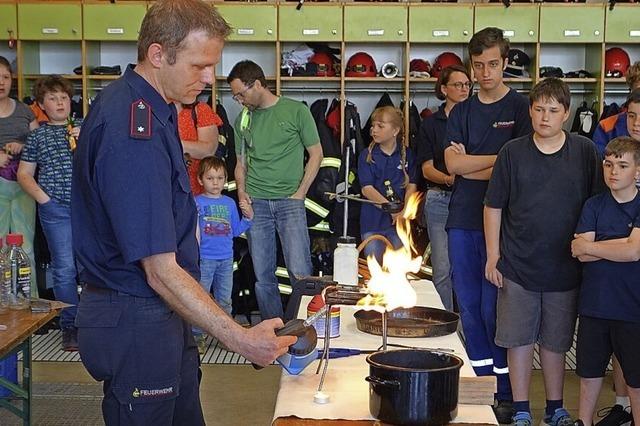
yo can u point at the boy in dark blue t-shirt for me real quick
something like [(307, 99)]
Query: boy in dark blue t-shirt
[(528, 256), (477, 129), (607, 241)]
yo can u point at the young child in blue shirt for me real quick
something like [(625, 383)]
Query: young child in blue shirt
[(50, 149), (386, 159), (218, 224), (607, 241)]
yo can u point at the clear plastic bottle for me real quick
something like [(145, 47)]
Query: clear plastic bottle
[(5, 281), (345, 262), (20, 273)]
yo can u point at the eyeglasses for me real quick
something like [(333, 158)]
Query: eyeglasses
[(459, 85), (240, 95)]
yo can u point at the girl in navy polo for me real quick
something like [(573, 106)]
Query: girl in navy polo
[(386, 159)]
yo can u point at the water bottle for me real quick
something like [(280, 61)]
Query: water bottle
[(5, 280), (345, 262), (20, 273)]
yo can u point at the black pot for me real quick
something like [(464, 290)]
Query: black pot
[(413, 387)]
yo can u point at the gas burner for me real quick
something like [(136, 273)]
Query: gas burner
[(344, 295)]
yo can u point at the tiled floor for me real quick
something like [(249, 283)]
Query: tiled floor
[(231, 395)]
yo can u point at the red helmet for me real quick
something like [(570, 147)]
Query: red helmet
[(361, 64), (444, 60), (419, 68), (324, 63), (616, 62)]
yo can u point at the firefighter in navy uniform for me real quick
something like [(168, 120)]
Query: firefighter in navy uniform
[(134, 222)]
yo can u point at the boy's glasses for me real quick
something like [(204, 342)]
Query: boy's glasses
[(459, 85), (240, 95)]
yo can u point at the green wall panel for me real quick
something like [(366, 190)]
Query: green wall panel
[(572, 23), (375, 23), (519, 22), (46, 21), (623, 24), (312, 22), (8, 21), (250, 22), (440, 23), (118, 21)]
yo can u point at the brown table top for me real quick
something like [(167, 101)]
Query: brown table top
[(20, 325), (295, 421)]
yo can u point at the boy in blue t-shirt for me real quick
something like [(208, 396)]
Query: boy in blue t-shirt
[(528, 256), (477, 128), (49, 149), (607, 241), (218, 224)]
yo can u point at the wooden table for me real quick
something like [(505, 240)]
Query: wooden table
[(345, 379), (17, 338)]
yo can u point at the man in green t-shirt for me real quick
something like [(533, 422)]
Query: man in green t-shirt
[(271, 136)]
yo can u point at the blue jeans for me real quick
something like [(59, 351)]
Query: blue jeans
[(219, 273), (376, 248), (288, 218), (436, 211), (55, 219)]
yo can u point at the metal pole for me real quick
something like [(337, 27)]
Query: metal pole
[(384, 330), (345, 219)]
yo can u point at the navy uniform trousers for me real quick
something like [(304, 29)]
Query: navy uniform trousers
[(146, 356), (477, 299)]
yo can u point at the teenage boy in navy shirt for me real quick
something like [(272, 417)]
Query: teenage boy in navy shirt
[(528, 256), (477, 129), (608, 244)]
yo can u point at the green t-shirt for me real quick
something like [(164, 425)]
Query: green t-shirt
[(275, 143)]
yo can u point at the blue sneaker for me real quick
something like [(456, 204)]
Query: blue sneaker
[(522, 418), (559, 418)]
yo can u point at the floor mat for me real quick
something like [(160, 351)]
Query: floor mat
[(62, 404), (47, 347)]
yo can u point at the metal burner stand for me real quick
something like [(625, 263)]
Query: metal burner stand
[(341, 295)]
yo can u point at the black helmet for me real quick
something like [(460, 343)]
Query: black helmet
[(517, 63)]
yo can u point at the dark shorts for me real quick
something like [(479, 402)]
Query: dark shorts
[(146, 356), (599, 338), (527, 317)]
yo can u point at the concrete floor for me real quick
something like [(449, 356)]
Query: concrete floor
[(231, 395)]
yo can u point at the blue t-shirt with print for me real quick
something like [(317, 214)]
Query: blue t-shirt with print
[(219, 222), (383, 167), (483, 129), (48, 147), (609, 289)]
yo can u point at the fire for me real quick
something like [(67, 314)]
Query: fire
[(388, 287)]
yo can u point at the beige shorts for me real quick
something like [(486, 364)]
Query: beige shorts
[(525, 317)]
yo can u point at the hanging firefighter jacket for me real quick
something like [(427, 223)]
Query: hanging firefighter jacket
[(385, 100), (227, 148), (352, 139), (317, 202), (414, 125)]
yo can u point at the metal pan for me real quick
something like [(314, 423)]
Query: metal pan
[(419, 321)]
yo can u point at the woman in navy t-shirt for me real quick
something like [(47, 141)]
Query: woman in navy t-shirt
[(453, 86)]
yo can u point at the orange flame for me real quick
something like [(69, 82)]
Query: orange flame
[(388, 287)]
